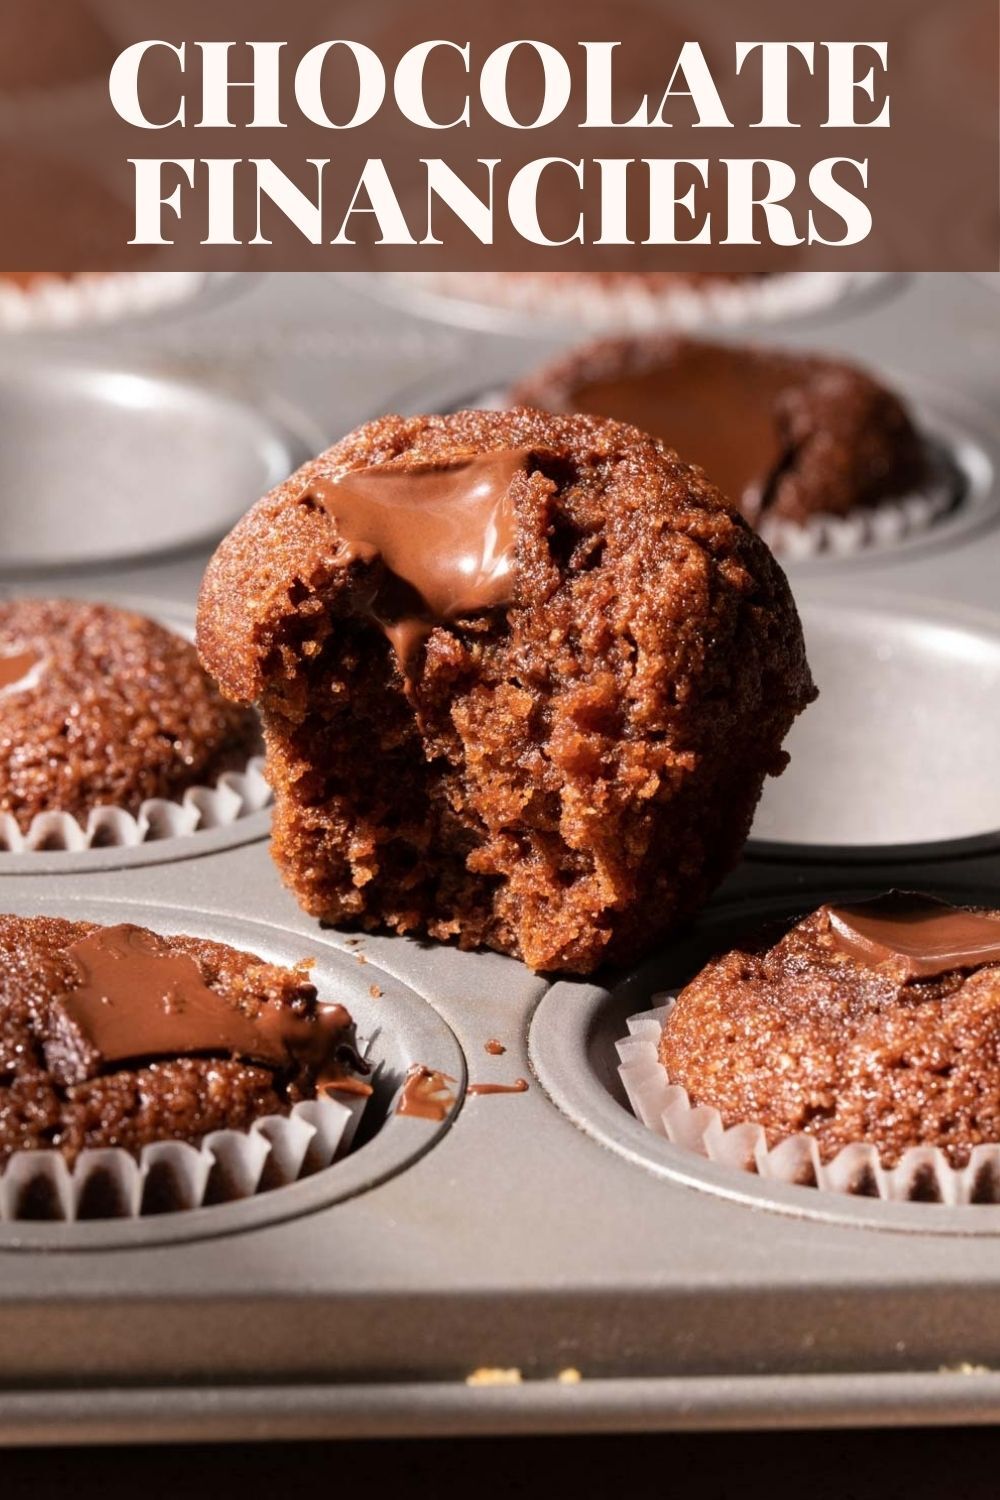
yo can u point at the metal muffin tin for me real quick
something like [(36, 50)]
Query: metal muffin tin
[(572, 1047), (891, 754), (100, 464), (583, 1273)]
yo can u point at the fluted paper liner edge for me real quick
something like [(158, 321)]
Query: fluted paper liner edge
[(636, 306), (923, 1173), (236, 795), (173, 1176)]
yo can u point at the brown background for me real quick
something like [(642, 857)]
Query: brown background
[(949, 1464), (67, 185)]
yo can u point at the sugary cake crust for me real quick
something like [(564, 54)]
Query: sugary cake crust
[(180, 1099), (120, 711), (802, 1037), (569, 777)]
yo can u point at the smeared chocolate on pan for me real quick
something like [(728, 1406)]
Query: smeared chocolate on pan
[(427, 1094), (519, 1086)]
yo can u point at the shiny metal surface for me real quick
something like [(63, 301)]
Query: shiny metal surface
[(901, 746), (99, 464), (544, 1233)]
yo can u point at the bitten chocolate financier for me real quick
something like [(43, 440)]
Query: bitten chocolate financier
[(875, 1022), (521, 677)]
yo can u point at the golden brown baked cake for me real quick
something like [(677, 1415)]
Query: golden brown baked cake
[(115, 1036), (100, 707), (876, 1021), (783, 435)]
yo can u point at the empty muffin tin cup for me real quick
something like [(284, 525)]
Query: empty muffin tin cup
[(895, 758), (172, 1176), (171, 464), (923, 1174)]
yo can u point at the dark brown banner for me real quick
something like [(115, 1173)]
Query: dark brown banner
[(417, 135)]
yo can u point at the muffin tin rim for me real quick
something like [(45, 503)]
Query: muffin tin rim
[(564, 1025), (398, 1143), (671, 1212)]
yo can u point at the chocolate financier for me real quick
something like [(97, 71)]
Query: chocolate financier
[(783, 435), (115, 1036), (102, 707), (874, 1022), (521, 678)]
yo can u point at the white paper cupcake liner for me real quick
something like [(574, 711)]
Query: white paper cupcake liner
[(882, 525), (236, 795), (172, 1176), (92, 297), (923, 1173), (633, 305)]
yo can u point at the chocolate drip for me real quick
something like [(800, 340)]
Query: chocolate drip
[(137, 1002), (519, 1086), (426, 1094), (495, 1047), (16, 667), (445, 533), (917, 936), (717, 407)]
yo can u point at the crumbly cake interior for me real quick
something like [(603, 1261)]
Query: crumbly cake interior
[(563, 780)]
